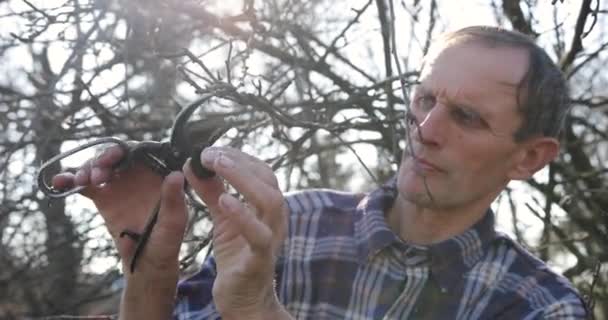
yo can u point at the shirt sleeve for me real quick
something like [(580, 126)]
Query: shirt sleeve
[(194, 299)]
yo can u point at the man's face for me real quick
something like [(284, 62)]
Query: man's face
[(466, 107)]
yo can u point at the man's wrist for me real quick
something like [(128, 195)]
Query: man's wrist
[(268, 309), (276, 311), (148, 297)]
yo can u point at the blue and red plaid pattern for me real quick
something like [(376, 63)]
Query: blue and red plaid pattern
[(341, 261)]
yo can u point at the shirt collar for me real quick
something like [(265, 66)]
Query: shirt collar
[(448, 259), (372, 233), (452, 258)]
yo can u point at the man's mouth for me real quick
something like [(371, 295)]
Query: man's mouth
[(425, 165)]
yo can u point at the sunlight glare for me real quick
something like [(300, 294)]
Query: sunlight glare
[(225, 7)]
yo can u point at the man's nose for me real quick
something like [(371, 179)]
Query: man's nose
[(432, 128)]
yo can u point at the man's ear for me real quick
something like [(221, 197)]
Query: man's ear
[(533, 156)]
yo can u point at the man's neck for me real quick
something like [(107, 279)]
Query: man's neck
[(423, 225)]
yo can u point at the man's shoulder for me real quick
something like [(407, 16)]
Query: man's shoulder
[(547, 291), (315, 200), (527, 264)]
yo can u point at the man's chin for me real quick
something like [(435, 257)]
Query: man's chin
[(415, 189), (416, 180)]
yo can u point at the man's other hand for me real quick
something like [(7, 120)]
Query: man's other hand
[(247, 232), (125, 200)]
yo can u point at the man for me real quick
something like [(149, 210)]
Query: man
[(487, 111)]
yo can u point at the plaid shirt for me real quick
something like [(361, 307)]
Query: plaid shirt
[(342, 261)]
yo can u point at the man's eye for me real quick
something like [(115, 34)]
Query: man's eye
[(426, 102), (468, 118), (410, 118)]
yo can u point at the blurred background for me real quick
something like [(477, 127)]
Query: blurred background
[(312, 87)]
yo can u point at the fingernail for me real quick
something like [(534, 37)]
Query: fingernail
[(229, 203), (95, 175), (80, 177), (177, 177), (208, 156), (225, 162)]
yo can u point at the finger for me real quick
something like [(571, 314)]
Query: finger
[(247, 161), (92, 178), (93, 188), (99, 169), (263, 196), (64, 180), (168, 233), (209, 189), (257, 234), (110, 157), (100, 175), (103, 166), (83, 175), (162, 248)]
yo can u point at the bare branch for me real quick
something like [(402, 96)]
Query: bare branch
[(577, 39)]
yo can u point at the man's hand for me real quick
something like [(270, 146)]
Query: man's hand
[(125, 200), (247, 234)]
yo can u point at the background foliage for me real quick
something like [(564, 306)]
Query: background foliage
[(313, 90)]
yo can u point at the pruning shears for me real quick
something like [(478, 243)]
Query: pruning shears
[(162, 157)]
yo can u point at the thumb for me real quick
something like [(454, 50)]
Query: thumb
[(168, 233)]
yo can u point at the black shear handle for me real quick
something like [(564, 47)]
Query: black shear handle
[(44, 174), (189, 144), (197, 167)]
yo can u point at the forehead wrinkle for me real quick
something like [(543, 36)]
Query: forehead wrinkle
[(478, 101), (452, 96), (494, 88)]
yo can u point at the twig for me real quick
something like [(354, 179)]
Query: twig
[(405, 93), (199, 62), (46, 15), (594, 14), (332, 45), (516, 16), (577, 42), (227, 63), (560, 233), (388, 88), (429, 32), (190, 81), (590, 298), (231, 29), (590, 57), (514, 218), (369, 172)]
